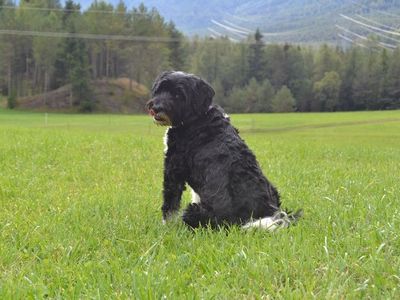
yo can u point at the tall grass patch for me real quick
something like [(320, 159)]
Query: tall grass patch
[(80, 200)]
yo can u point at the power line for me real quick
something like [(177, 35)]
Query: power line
[(148, 39), (72, 10)]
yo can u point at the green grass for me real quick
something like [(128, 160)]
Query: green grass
[(80, 199)]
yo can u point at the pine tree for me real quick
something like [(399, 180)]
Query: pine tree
[(276, 66), (256, 58), (74, 62), (69, 19), (351, 62), (78, 74), (177, 51)]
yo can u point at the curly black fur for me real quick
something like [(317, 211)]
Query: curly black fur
[(206, 151)]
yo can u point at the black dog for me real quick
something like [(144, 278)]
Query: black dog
[(205, 151)]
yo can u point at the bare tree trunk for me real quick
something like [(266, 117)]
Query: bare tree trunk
[(46, 86), (114, 66), (17, 85), (94, 64), (9, 78), (130, 76), (27, 66), (107, 60), (27, 74), (36, 76), (139, 67), (70, 97), (101, 65)]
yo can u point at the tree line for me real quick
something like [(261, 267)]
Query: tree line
[(105, 42)]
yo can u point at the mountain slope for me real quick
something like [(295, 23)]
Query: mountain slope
[(280, 20)]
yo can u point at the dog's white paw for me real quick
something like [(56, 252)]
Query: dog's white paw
[(172, 218), (279, 220), (267, 223)]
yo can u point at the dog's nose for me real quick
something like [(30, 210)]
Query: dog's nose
[(152, 107)]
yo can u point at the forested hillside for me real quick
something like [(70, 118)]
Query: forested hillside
[(50, 47), (294, 21)]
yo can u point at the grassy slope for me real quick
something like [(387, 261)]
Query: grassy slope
[(80, 201)]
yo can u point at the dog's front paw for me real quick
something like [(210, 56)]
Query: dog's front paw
[(169, 217)]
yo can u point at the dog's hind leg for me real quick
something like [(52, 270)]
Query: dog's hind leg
[(279, 220), (197, 215)]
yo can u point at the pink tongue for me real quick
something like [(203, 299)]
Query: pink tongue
[(152, 112)]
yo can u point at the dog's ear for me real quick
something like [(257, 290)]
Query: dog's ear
[(204, 94)]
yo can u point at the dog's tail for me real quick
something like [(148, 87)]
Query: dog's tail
[(281, 219), (294, 216)]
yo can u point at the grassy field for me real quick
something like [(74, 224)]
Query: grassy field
[(80, 199)]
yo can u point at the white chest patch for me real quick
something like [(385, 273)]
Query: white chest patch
[(165, 140), (195, 197)]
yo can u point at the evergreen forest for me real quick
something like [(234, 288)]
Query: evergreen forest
[(46, 45)]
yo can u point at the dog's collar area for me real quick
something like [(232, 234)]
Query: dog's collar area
[(193, 120)]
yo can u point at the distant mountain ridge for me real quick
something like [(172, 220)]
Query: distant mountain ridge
[(280, 20), (284, 20)]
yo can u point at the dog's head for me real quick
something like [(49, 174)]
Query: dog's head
[(178, 98)]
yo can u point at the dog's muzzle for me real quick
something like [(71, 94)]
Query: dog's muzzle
[(159, 117)]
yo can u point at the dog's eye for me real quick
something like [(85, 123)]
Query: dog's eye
[(177, 95)]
